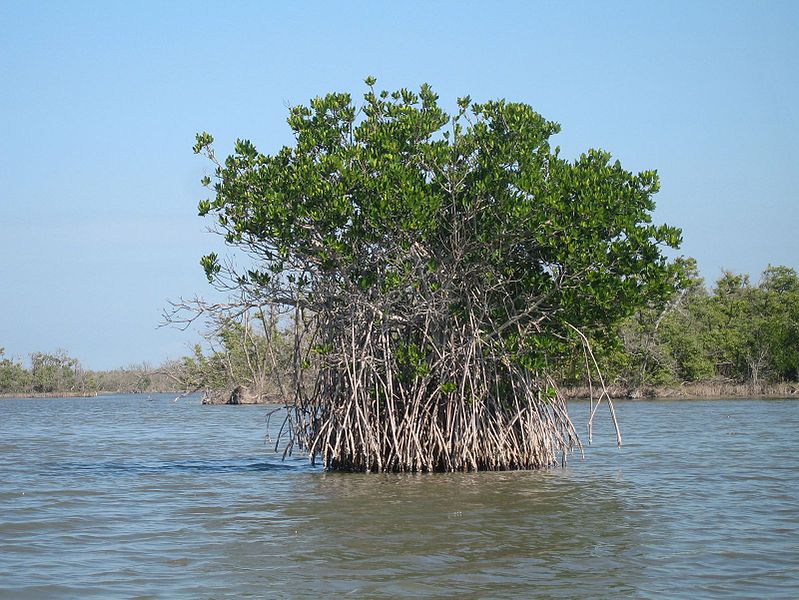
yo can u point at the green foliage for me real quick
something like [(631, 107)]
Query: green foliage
[(740, 332), (252, 352), (53, 372), (59, 373), (683, 338), (370, 193), (445, 260), (13, 376)]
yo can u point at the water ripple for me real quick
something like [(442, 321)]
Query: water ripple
[(150, 467), (127, 498)]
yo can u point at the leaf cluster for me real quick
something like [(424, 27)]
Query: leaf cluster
[(397, 201)]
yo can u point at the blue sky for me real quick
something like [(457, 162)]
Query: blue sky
[(100, 101)]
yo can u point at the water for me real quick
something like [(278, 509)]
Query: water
[(122, 497)]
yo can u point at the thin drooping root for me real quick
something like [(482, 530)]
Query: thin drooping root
[(591, 366)]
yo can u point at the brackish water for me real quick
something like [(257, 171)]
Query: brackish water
[(121, 497)]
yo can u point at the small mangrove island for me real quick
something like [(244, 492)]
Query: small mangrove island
[(423, 291), (423, 286)]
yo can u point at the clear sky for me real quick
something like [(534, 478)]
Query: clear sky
[(100, 101)]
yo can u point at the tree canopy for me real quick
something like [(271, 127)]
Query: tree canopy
[(436, 266)]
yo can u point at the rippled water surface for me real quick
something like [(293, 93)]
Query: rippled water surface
[(125, 497)]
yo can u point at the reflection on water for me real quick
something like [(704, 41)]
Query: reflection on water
[(126, 498), (484, 534)]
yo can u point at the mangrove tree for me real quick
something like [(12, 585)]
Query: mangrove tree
[(435, 268)]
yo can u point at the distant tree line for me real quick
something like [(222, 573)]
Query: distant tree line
[(250, 352), (59, 373), (736, 331)]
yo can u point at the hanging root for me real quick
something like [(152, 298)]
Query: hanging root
[(592, 368), (445, 403), (430, 376)]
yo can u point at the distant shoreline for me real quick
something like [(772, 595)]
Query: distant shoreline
[(54, 394), (688, 391), (32, 395)]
